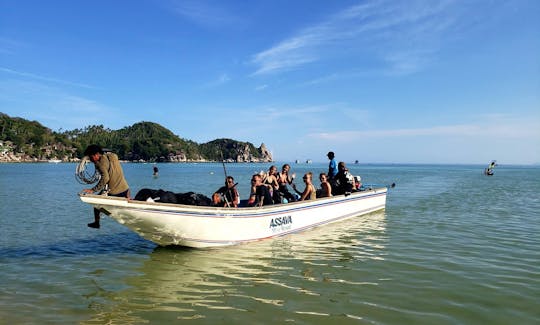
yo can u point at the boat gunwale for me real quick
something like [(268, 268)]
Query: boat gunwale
[(206, 211)]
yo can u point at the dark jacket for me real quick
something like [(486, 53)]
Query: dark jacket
[(342, 183)]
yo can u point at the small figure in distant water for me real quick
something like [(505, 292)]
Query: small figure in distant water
[(156, 171), (112, 179), (489, 170), (309, 192), (227, 196), (326, 188), (332, 166), (260, 195)]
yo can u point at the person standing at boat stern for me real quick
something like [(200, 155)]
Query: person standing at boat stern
[(332, 166), (112, 178)]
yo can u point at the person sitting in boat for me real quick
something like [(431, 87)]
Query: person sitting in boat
[(285, 179), (343, 183), (227, 196), (260, 195), (357, 183), (326, 188), (309, 192), (112, 177), (270, 179)]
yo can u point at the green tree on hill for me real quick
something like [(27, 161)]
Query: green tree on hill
[(146, 141)]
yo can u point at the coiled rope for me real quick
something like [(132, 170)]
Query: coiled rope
[(83, 176)]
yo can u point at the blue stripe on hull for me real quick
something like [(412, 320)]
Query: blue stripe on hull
[(234, 242)]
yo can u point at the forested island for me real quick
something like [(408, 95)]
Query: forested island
[(22, 140)]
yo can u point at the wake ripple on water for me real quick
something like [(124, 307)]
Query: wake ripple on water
[(287, 278), (468, 249), (452, 247)]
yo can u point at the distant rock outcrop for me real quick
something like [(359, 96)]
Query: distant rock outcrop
[(245, 154), (267, 155)]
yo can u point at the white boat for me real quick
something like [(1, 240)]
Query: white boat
[(200, 226), (55, 161)]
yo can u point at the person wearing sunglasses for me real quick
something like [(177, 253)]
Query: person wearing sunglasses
[(309, 192), (260, 195)]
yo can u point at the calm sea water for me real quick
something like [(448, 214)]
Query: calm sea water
[(452, 247)]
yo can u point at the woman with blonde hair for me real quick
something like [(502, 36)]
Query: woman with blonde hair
[(309, 192)]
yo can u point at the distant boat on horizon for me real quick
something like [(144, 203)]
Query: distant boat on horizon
[(55, 161)]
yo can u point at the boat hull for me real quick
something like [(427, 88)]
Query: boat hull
[(196, 226)]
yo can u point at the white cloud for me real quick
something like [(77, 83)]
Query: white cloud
[(268, 123), (509, 139), (403, 34), (27, 75), (492, 128), (204, 13), (52, 106), (286, 55), (9, 46), (220, 80)]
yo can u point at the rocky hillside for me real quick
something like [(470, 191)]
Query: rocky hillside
[(23, 140)]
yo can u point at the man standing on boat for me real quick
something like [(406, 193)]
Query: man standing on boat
[(112, 181), (332, 166)]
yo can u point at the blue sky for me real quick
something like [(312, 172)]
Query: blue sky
[(374, 81)]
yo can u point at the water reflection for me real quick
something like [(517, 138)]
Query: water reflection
[(277, 279)]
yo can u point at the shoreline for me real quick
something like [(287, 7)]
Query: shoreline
[(274, 162), (137, 162)]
